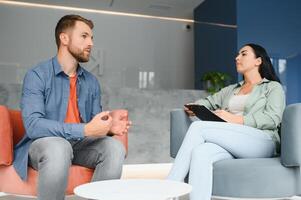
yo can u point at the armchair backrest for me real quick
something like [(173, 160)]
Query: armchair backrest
[(17, 125), (179, 124), (11, 132), (6, 137), (291, 136)]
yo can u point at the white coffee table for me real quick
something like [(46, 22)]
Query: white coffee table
[(133, 189)]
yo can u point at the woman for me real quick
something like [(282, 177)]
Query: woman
[(253, 110)]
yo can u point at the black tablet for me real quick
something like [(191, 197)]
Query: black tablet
[(203, 113)]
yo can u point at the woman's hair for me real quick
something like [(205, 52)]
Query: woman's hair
[(266, 69)]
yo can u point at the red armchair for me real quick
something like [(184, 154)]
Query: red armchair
[(11, 132)]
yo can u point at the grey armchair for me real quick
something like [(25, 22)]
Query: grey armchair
[(253, 178)]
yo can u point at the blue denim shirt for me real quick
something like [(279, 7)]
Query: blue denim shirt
[(44, 104)]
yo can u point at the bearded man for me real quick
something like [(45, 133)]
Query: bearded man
[(63, 117)]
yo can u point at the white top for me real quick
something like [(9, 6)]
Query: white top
[(237, 104), (133, 189)]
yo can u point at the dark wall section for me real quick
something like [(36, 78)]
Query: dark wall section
[(216, 11), (293, 79), (276, 25), (215, 38)]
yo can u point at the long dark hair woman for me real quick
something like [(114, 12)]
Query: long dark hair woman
[(252, 110)]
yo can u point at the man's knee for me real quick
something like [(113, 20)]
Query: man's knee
[(113, 155), (54, 150), (113, 148)]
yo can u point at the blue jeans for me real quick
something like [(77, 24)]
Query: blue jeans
[(52, 157), (208, 142)]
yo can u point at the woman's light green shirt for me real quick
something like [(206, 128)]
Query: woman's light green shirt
[(263, 109)]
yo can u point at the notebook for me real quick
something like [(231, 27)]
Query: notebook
[(203, 113)]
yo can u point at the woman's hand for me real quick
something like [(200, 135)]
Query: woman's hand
[(229, 117), (189, 112)]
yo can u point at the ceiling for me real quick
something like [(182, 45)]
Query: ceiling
[(165, 8)]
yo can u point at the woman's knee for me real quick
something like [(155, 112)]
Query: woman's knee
[(211, 124), (208, 151), (197, 126)]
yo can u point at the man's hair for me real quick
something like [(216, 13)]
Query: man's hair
[(66, 22)]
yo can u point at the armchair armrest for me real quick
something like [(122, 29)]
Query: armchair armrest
[(179, 124), (291, 136), (6, 137)]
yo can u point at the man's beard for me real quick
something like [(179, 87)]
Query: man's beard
[(79, 55)]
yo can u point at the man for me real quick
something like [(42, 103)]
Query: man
[(62, 116)]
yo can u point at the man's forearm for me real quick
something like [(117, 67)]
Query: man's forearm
[(40, 127)]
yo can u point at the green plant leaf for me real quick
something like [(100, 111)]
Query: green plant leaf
[(217, 80)]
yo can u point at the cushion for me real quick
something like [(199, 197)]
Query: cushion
[(254, 178)]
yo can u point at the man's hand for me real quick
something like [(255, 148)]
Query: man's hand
[(229, 117), (120, 127), (99, 125), (121, 124)]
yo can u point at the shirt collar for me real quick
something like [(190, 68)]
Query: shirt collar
[(264, 80), (58, 67)]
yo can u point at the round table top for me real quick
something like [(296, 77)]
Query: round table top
[(133, 189)]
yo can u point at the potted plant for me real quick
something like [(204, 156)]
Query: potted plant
[(214, 81)]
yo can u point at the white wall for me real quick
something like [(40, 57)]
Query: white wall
[(125, 46)]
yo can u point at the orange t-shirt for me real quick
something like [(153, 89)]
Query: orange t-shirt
[(72, 115)]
